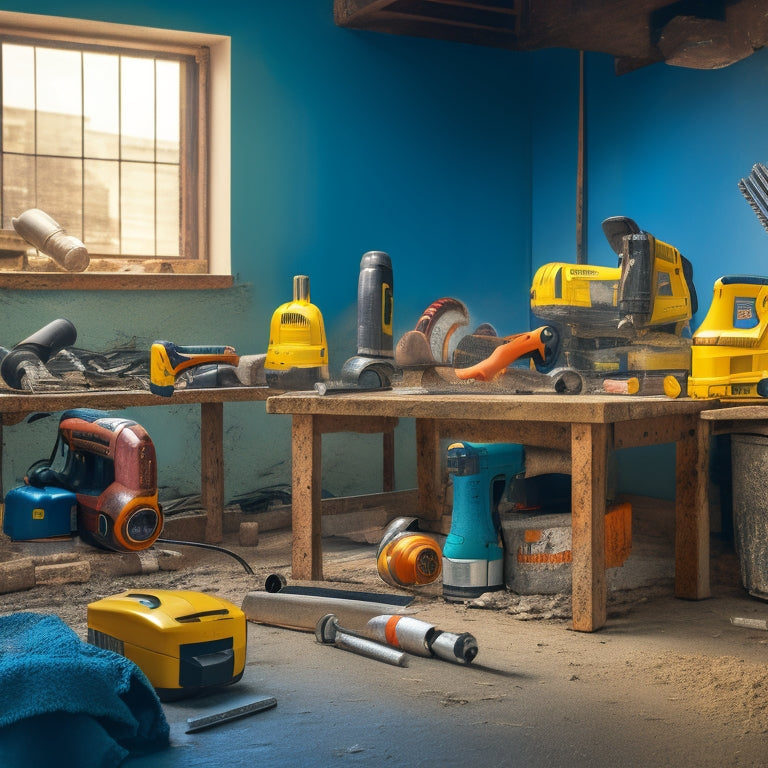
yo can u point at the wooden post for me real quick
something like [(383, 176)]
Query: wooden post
[(428, 469), (388, 470), (692, 514), (212, 469), (589, 459), (306, 516)]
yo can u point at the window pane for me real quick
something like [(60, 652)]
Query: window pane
[(18, 64), (168, 111), (100, 138), (102, 206), (137, 108), (18, 186), (137, 209), (59, 102), (167, 210), (101, 105), (60, 192)]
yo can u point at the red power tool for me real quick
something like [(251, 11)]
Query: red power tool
[(110, 465)]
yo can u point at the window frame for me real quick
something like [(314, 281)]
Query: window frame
[(212, 159)]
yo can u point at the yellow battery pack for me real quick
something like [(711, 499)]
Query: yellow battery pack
[(182, 641)]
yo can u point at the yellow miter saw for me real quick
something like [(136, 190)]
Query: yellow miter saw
[(624, 321)]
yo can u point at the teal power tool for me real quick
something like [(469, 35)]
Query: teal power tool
[(473, 559)]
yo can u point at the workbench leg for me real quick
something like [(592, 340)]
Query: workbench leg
[(306, 517), (429, 482), (692, 514), (212, 469), (589, 460), (388, 470)]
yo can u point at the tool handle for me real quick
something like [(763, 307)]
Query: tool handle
[(517, 345), (167, 360)]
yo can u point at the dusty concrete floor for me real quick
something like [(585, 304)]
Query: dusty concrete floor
[(666, 683)]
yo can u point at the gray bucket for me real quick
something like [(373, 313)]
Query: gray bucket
[(749, 461)]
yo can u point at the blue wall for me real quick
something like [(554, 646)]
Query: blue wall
[(667, 147), (342, 142), (459, 161)]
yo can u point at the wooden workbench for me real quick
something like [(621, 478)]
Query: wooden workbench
[(16, 406), (587, 426)]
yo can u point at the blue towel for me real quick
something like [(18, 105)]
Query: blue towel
[(65, 702)]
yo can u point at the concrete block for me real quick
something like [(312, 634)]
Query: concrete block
[(248, 535), (77, 572), (537, 557), (16, 575)]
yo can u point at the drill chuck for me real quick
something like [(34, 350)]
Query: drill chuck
[(460, 649)]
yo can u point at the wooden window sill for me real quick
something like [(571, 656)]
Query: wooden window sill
[(110, 281)]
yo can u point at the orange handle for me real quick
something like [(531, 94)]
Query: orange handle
[(519, 344)]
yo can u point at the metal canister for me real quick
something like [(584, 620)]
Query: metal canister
[(375, 294)]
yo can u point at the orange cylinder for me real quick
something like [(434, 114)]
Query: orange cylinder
[(410, 559)]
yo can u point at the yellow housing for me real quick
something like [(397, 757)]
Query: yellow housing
[(584, 294), (183, 641), (729, 356), (297, 333)]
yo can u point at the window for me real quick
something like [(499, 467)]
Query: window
[(108, 133)]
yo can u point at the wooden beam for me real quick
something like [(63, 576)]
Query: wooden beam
[(212, 469), (692, 515), (306, 441), (428, 469), (589, 459)]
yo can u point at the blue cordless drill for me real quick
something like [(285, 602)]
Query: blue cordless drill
[(473, 559)]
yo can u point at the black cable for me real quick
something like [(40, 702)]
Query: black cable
[(239, 559)]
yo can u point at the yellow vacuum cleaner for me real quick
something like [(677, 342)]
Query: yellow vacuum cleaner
[(729, 356), (183, 641)]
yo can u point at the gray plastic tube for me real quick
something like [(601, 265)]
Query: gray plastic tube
[(302, 612)]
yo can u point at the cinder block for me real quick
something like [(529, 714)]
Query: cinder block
[(16, 575), (63, 573), (538, 554), (249, 534)]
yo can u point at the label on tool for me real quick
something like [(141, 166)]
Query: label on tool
[(744, 313)]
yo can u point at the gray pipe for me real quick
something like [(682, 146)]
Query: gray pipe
[(302, 612)]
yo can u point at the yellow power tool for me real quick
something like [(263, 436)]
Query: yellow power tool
[(167, 360), (624, 319), (729, 357), (183, 641), (297, 354)]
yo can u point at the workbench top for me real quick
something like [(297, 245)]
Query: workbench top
[(587, 409), (15, 405)]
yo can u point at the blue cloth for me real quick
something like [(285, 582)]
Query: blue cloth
[(65, 702)]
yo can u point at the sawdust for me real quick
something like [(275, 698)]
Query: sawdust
[(726, 688), (685, 650)]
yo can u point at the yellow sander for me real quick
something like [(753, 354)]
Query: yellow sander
[(183, 641)]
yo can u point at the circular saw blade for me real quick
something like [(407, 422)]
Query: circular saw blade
[(439, 322)]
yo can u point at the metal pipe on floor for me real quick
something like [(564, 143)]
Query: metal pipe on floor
[(302, 612)]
